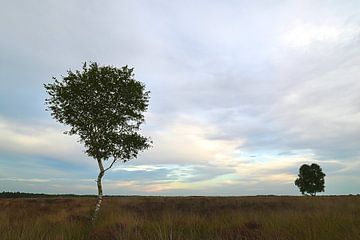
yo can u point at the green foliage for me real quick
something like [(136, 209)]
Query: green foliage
[(311, 179), (104, 105)]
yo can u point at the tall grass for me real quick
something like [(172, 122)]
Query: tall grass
[(175, 218)]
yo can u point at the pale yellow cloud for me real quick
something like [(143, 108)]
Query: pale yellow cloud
[(187, 141)]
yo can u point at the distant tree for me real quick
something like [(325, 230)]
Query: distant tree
[(105, 106), (311, 179)]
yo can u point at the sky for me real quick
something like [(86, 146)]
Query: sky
[(242, 93)]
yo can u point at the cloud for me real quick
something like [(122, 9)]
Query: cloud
[(304, 35), (242, 93), (36, 180), (39, 140), (185, 139)]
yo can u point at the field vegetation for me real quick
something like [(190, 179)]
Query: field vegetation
[(181, 218)]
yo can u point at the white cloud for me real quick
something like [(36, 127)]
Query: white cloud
[(302, 35), (39, 140)]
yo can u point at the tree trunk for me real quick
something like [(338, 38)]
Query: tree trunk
[(100, 192)]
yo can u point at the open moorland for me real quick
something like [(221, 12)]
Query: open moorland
[(185, 218)]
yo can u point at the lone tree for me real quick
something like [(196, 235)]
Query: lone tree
[(104, 105), (311, 179)]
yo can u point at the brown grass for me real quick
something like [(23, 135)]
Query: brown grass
[(185, 218)]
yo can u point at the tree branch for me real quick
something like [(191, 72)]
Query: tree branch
[(110, 165)]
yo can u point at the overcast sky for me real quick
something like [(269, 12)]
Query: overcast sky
[(242, 93)]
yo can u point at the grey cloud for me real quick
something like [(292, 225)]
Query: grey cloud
[(220, 62), (322, 116)]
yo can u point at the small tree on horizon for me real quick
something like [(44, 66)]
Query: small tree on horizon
[(105, 107), (311, 179)]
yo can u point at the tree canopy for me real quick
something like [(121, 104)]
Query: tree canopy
[(104, 106), (311, 179)]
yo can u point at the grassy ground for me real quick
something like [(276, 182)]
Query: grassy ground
[(186, 218)]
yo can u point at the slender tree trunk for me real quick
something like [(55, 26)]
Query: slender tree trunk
[(100, 192)]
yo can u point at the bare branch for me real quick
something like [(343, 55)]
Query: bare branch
[(110, 165)]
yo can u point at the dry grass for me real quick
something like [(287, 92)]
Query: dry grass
[(185, 218)]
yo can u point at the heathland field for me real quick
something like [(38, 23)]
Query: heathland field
[(185, 218)]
